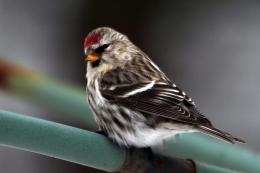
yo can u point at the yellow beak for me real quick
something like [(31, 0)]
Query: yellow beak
[(91, 58)]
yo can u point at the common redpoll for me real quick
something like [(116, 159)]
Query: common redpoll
[(132, 100)]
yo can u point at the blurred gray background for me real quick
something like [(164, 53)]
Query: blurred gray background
[(211, 49)]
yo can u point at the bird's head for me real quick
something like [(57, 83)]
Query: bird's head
[(106, 49)]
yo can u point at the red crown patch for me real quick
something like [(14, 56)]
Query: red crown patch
[(91, 39)]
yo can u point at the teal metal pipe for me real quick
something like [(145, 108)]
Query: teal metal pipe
[(212, 151), (59, 141), (206, 168), (65, 100), (84, 147)]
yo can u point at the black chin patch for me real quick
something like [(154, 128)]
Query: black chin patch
[(96, 63)]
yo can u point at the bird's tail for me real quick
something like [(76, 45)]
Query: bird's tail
[(220, 134)]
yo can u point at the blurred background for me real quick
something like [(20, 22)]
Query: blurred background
[(211, 49)]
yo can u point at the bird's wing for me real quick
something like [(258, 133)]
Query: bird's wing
[(156, 99)]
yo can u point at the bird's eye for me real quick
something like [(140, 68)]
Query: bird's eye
[(101, 48)]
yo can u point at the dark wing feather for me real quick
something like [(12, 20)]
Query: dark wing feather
[(163, 100)]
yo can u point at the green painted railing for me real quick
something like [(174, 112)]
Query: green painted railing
[(64, 100), (59, 141), (212, 151), (86, 148), (206, 168)]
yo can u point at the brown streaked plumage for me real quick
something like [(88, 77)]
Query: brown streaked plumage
[(132, 100)]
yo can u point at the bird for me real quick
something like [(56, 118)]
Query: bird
[(133, 102)]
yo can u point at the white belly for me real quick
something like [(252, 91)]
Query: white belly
[(145, 136)]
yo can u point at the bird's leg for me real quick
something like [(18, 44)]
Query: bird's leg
[(149, 152)]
